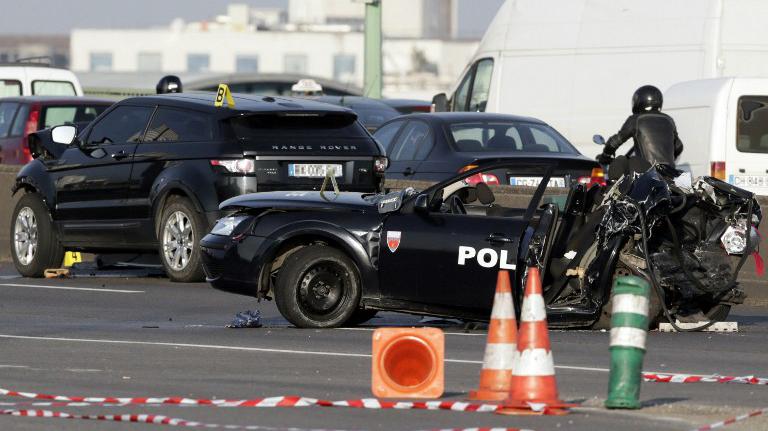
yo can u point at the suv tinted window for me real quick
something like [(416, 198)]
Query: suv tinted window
[(7, 112), (414, 143), (170, 125), (306, 132), (122, 125), (752, 125), (386, 134)]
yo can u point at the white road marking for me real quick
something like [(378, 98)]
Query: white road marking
[(465, 334), (87, 289), (255, 349), (13, 366)]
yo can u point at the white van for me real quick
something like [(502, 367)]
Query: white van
[(576, 63), (724, 123), (31, 79)]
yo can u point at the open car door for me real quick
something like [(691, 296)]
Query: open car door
[(437, 257)]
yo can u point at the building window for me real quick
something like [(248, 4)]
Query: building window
[(343, 67), (296, 63), (247, 64), (101, 61), (149, 62), (198, 63)]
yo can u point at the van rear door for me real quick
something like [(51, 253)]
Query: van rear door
[(747, 154)]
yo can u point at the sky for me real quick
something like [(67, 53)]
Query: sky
[(32, 17)]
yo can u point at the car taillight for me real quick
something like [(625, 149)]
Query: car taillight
[(380, 164), (717, 170), (489, 179), (597, 177), (30, 127), (237, 166)]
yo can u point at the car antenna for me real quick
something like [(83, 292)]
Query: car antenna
[(330, 177)]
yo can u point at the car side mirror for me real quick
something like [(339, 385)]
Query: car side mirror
[(64, 135), (422, 203), (440, 102), (598, 139)]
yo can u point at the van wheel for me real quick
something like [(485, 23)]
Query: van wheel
[(318, 287), (181, 226), (35, 245)]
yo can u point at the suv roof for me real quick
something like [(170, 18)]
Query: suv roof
[(243, 103), (56, 99)]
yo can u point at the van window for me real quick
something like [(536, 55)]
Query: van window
[(481, 85), (7, 112), (171, 125), (9, 87), (53, 88), (124, 124), (752, 124), (472, 93)]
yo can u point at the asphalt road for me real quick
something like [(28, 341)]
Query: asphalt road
[(150, 337)]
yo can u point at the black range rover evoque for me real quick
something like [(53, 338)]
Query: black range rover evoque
[(149, 173)]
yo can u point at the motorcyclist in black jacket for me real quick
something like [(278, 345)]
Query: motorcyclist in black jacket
[(654, 134)]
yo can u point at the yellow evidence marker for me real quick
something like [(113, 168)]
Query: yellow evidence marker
[(71, 258), (223, 94)]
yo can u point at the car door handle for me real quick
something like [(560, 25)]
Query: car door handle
[(408, 171), (498, 238), (120, 155)]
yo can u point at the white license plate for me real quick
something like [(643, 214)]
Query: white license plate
[(313, 170), (749, 180), (535, 181)]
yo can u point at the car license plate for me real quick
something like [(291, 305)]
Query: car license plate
[(313, 170), (749, 180), (535, 181)]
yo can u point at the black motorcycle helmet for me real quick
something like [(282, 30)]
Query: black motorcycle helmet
[(168, 84), (647, 98)]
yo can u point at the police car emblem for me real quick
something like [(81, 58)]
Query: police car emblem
[(393, 240)]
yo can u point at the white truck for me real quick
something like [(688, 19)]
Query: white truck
[(33, 79), (576, 63)]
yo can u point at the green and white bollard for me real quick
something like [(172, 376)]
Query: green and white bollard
[(629, 327)]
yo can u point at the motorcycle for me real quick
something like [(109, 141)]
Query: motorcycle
[(688, 239)]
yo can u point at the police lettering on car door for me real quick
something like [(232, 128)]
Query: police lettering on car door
[(485, 257)]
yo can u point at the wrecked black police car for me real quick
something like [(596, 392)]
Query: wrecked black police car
[(331, 259)]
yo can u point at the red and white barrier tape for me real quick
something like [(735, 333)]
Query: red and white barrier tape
[(694, 378), (733, 420), (286, 401), (170, 421)]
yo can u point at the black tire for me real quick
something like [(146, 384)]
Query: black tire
[(361, 316), (719, 312), (48, 252), (654, 305), (330, 276), (185, 266)]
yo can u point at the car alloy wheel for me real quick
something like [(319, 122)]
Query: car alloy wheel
[(25, 236), (322, 288), (178, 240)]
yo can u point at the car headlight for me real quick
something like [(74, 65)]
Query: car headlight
[(734, 239), (228, 225)]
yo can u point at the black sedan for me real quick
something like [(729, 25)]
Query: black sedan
[(330, 260), (432, 147), (371, 113)]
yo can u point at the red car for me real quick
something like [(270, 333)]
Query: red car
[(20, 116)]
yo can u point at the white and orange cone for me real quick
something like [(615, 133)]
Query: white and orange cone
[(533, 389), (501, 346)]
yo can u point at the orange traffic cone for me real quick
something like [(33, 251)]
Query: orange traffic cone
[(533, 386), (408, 363), (501, 347)]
